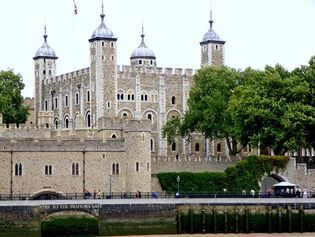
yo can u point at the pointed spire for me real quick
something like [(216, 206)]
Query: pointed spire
[(211, 21), (142, 35), (45, 33), (102, 14)]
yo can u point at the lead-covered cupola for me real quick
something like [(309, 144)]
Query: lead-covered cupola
[(212, 47), (45, 51), (143, 56), (102, 32)]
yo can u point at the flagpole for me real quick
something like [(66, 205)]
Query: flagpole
[(74, 34)]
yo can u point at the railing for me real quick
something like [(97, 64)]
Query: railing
[(144, 195)]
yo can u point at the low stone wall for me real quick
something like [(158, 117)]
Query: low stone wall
[(164, 216)]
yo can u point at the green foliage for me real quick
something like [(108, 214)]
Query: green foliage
[(11, 100), (245, 175), (270, 108)]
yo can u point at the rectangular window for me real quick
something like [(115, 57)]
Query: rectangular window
[(77, 98), (137, 166)]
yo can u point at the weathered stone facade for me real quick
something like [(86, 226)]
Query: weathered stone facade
[(87, 122)]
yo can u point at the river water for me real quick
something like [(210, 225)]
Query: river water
[(196, 235)]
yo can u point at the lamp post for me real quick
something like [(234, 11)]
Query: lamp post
[(178, 179)]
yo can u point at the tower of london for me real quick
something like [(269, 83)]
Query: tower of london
[(102, 125)]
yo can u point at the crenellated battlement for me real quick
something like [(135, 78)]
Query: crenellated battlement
[(127, 70), (68, 76), (130, 125)]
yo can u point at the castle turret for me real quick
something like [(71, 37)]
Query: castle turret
[(143, 56), (45, 67), (212, 47), (103, 53)]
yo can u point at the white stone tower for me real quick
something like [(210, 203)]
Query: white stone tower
[(212, 47), (45, 68), (103, 69)]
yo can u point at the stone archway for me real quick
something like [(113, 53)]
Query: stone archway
[(69, 223), (47, 195)]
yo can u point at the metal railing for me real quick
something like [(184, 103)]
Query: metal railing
[(144, 195)]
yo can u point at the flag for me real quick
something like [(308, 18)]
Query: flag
[(75, 8)]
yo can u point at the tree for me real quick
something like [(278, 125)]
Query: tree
[(11, 100), (271, 110), (208, 104)]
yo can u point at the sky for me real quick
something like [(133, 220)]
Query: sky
[(257, 32)]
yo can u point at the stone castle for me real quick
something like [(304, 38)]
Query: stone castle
[(99, 128)]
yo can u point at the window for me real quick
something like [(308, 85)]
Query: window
[(114, 136), (150, 117), (88, 119), (173, 146), (103, 57), (67, 122), (112, 58), (49, 72), (18, 169), (75, 169), (56, 103), (46, 105), (219, 147), (151, 62), (108, 104), (77, 98), (197, 147), (88, 96), (48, 170), (145, 97), (66, 101), (44, 72), (56, 123), (103, 44), (148, 166), (216, 46), (112, 44), (141, 97), (132, 97), (115, 169), (128, 96), (173, 100), (125, 115), (137, 166), (140, 62)]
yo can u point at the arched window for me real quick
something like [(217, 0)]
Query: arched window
[(173, 146), (197, 147), (113, 169), (48, 169), (114, 136), (117, 169), (128, 96), (173, 100), (125, 115), (88, 119), (219, 147), (67, 122), (18, 169), (145, 97), (132, 97), (56, 123), (75, 168), (150, 117)]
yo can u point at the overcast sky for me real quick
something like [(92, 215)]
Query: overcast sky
[(257, 32)]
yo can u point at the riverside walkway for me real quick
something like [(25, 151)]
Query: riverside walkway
[(293, 202)]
